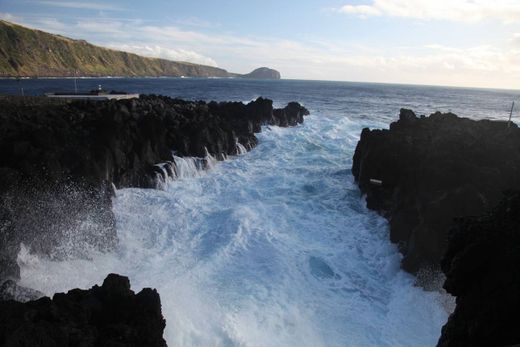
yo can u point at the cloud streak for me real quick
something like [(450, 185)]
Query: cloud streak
[(81, 5), (506, 11), (157, 51)]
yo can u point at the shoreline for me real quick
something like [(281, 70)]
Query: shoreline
[(62, 158), (233, 130), (426, 175)]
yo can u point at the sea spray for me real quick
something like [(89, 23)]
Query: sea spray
[(240, 148), (273, 248)]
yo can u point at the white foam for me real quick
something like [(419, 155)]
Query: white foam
[(240, 148), (274, 248)]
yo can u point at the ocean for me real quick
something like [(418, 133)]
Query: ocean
[(274, 247)]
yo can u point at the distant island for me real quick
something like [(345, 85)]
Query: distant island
[(263, 73), (26, 52)]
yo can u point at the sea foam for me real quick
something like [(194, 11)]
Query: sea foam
[(272, 248)]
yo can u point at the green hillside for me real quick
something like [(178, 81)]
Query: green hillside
[(34, 53)]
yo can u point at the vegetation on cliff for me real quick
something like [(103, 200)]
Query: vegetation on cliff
[(34, 53)]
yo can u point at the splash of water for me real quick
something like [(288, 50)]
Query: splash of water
[(274, 248)]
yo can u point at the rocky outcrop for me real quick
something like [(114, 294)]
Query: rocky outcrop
[(482, 267), (59, 161), (110, 315), (264, 73), (423, 172)]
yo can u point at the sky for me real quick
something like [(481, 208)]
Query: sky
[(473, 43)]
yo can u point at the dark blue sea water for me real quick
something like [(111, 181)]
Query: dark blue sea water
[(273, 247), (352, 99)]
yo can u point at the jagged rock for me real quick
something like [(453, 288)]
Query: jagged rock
[(9, 290), (482, 267), (59, 161), (110, 315), (426, 171)]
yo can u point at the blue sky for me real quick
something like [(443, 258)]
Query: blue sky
[(458, 42)]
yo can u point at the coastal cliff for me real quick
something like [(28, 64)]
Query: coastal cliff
[(26, 52), (426, 171), (428, 176)]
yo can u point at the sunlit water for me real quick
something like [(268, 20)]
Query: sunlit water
[(274, 247)]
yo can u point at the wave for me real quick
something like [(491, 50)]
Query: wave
[(272, 248)]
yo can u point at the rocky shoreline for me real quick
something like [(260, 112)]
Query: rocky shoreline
[(429, 176), (482, 267), (106, 315), (60, 162), (426, 175)]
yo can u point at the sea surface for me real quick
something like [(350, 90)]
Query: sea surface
[(274, 247)]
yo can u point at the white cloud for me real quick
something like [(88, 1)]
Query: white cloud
[(9, 17), (52, 24), (80, 5), (196, 22), (515, 41), (101, 27), (506, 11), (157, 51)]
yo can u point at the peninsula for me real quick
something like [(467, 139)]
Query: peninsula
[(26, 52)]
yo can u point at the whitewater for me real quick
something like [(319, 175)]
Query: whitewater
[(273, 247)]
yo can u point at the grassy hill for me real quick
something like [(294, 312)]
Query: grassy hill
[(34, 53)]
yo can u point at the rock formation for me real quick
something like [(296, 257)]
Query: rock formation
[(59, 161), (110, 315), (482, 267), (424, 172), (263, 73), (426, 175)]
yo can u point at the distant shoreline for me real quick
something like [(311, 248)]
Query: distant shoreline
[(239, 78)]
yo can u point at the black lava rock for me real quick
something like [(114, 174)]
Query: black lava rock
[(482, 267), (110, 315), (424, 172), (60, 161)]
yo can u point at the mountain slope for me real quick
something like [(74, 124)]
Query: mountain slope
[(34, 53)]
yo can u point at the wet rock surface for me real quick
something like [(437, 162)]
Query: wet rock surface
[(10, 290), (482, 267), (59, 161), (107, 315), (423, 172)]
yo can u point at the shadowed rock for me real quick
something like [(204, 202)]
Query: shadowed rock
[(110, 315), (482, 267), (59, 161), (426, 171), (9, 290)]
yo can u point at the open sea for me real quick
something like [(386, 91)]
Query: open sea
[(274, 247)]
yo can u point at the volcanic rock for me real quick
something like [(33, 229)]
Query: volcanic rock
[(482, 267), (424, 172), (60, 161), (110, 315)]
